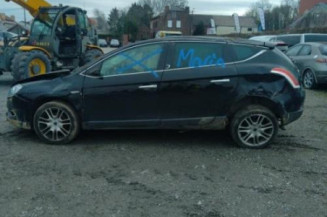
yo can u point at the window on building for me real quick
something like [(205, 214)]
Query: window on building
[(249, 29), (170, 24), (178, 24)]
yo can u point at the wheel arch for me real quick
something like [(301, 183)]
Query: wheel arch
[(273, 106), (34, 48), (311, 69), (38, 103)]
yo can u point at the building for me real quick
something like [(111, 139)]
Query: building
[(224, 25), (306, 5), (172, 19), (177, 19), (316, 17)]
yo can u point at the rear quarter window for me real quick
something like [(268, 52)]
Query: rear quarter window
[(323, 50), (243, 52)]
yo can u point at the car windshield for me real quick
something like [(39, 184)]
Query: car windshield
[(43, 23)]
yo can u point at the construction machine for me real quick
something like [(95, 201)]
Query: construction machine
[(60, 38)]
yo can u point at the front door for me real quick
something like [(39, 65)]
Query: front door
[(125, 91)]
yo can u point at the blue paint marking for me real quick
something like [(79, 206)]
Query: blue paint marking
[(140, 62), (194, 61)]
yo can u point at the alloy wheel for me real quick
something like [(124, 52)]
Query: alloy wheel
[(255, 130), (55, 124), (308, 79)]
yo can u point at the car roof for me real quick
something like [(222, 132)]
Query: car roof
[(207, 39)]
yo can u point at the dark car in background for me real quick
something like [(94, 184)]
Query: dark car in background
[(311, 59), (293, 39), (185, 83)]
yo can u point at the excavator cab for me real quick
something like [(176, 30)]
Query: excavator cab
[(59, 39)]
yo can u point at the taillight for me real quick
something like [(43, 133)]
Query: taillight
[(288, 75), (320, 60)]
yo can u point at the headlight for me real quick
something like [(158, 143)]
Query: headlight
[(14, 90)]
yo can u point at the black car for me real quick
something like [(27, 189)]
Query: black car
[(251, 88)]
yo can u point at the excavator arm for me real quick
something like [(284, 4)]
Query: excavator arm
[(32, 5)]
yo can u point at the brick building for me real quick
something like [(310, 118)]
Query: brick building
[(172, 19), (306, 5)]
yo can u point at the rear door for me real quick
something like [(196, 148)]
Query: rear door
[(197, 85), (293, 54), (304, 58)]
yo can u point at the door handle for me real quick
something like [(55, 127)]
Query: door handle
[(152, 86), (220, 81)]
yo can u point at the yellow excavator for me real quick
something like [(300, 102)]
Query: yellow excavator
[(60, 37)]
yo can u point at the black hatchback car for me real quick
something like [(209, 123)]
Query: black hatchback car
[(173, 83)]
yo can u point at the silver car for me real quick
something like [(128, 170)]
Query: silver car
[(311, 59)]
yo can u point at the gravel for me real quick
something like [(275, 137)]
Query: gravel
[(166, 173)]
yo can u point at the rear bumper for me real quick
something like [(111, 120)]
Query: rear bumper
[(291, 117)]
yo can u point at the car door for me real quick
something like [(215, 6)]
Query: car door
[(293, 54), (197, 85), (304, 58), (122, 90)]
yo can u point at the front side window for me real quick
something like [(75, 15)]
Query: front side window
[(198, 54), (323, 50), (294, 50), (316, 38), (139, 59)]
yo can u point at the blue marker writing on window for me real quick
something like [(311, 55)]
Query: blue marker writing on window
[(195, 61)]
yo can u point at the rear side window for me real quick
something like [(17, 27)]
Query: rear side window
[(290, 40), (243, 52), (315, 38), (323, 50), (305, 51), (192, 54)]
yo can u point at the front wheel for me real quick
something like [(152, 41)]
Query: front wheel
[(254, 127), (56, 123)]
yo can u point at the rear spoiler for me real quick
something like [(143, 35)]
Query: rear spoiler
[(253, 42)]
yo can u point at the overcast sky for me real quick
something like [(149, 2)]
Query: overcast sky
[(218, 7)]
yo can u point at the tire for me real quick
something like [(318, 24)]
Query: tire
[(15, 66), (254, 127), (56, 123), (91, 55), (308, 80), (30, 64)]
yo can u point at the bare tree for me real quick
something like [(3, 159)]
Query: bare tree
[(158, 6)]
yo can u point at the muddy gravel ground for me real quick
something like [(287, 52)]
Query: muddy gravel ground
[(166, 173)]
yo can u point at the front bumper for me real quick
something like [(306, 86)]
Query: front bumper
[(17, 115)]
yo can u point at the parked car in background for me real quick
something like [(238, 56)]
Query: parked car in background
[(114, 43), (293, 39), (249, 87), (8, 35), (272, 39), (311, 59), (162, 34), (102, 43)]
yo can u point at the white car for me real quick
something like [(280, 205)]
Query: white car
[(114, 43)]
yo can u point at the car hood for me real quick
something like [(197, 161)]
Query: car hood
[(48, 76)]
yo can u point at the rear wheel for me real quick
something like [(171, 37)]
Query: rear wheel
[(254, 127), (309, 80), (56, 123), (91, 55), (30, 64)]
